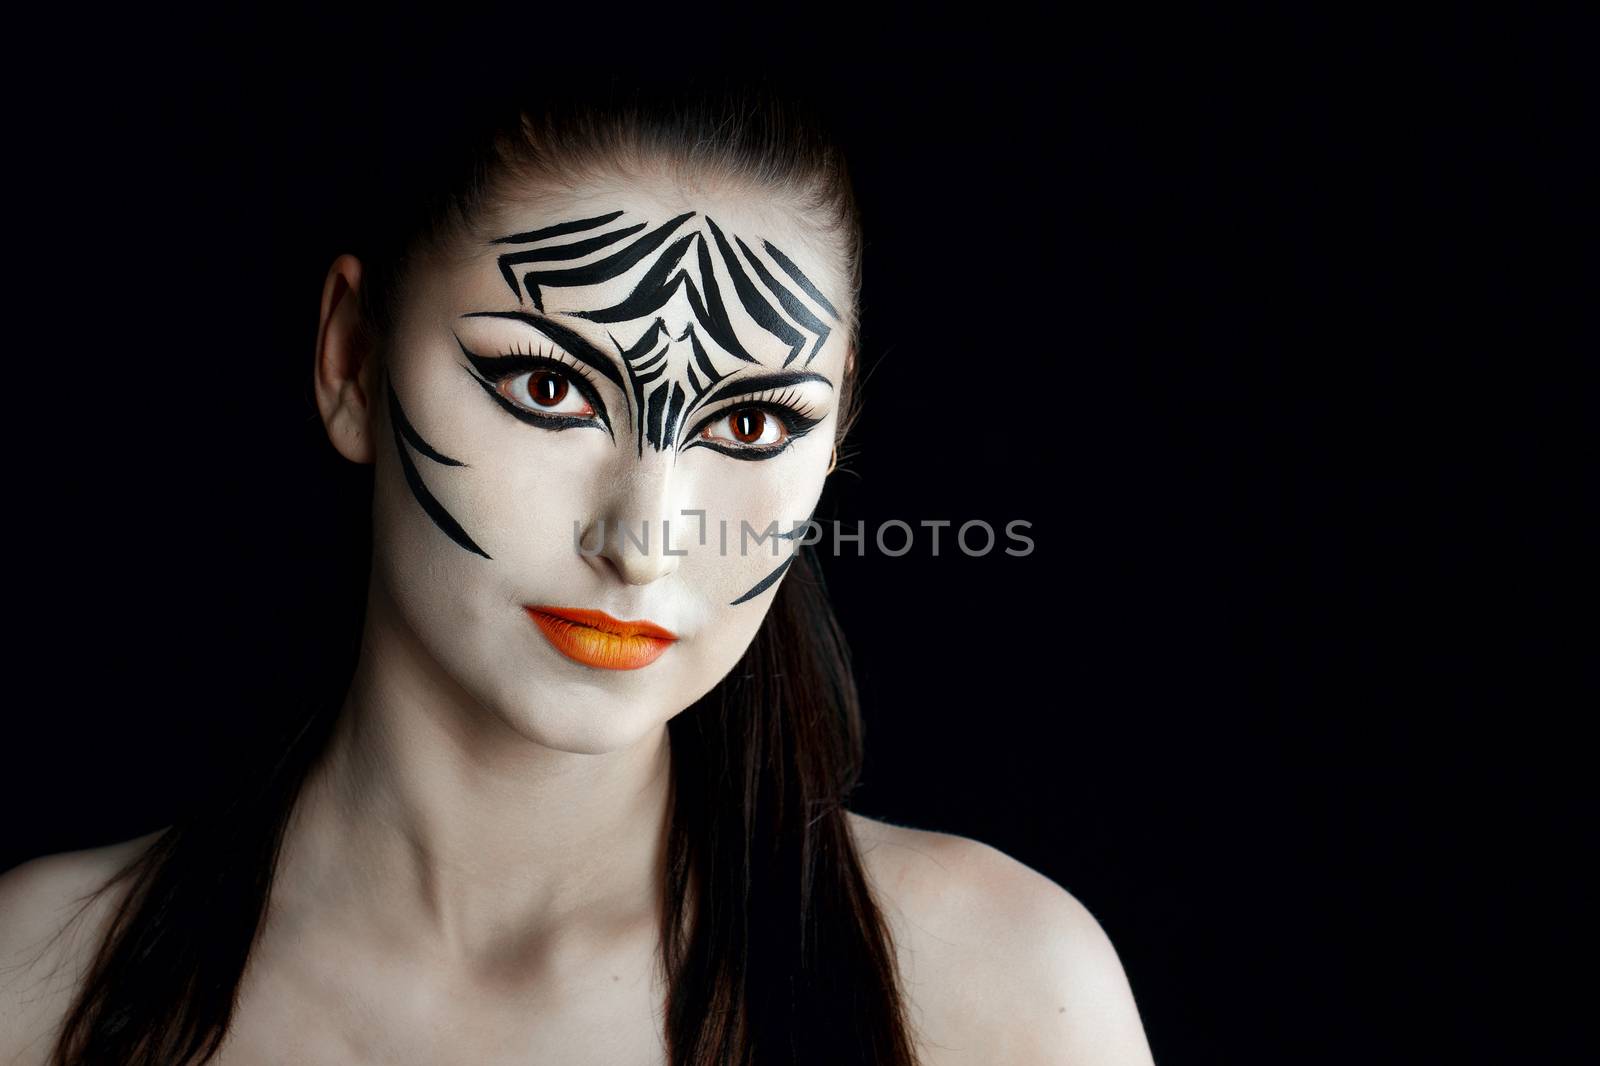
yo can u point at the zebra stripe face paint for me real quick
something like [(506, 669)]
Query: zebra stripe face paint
[(579, 375)]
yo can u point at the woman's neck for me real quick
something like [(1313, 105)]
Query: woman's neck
[(431, 822)]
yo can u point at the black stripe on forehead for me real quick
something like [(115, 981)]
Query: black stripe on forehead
[(674, 410), (668, 273), (653, 290), (800, 279), (702, 360), (763, 313), (575, 250), (600, 271), (559, 230), (797, 310), (712, 313), (660, 403), (641, 355)]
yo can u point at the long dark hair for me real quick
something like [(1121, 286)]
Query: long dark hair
[(773, 947)]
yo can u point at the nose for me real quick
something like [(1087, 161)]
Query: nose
[(636, 522)]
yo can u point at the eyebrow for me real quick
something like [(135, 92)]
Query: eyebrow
[(572, 342), (759, 382)]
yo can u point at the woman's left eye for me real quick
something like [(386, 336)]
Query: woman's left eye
[(546, 392), (748, 427)]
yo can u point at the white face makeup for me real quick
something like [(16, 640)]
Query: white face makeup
[(594, 373)]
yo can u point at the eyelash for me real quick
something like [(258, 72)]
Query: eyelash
[(798, 419), (510, 364)]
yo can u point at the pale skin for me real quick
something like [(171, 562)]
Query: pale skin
[(471, 875)]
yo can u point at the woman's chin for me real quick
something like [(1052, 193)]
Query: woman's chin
[(592, 723)]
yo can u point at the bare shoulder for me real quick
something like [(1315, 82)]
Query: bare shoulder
[(51, 922), (999, 962)]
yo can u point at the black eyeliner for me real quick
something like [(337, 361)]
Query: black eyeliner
[(489, 370), (795, 422), (556, 333)]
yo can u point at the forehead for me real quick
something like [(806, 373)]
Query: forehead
[(739, 270)]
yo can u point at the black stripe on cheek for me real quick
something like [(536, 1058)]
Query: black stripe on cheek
[(425, 499), (762, 585), (403, 425)]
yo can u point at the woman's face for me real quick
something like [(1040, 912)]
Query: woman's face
[(616, 405)]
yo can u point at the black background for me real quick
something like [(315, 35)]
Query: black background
[(1225, 312)]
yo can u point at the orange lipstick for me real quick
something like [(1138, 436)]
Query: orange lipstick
[(594, 638)]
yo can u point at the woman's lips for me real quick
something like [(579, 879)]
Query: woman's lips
[(596, 639)]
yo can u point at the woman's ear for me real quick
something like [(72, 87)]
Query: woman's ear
[(345, 369)]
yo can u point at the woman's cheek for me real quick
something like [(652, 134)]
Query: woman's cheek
[(533, 496), (757, 532)]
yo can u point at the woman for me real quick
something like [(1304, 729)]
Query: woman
[(584, 800)]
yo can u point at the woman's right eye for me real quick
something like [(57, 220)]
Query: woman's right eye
[(547, 392)]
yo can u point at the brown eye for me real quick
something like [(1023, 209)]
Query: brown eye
[(547, 389), (751, 426), (748, 424), (547, 392)]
